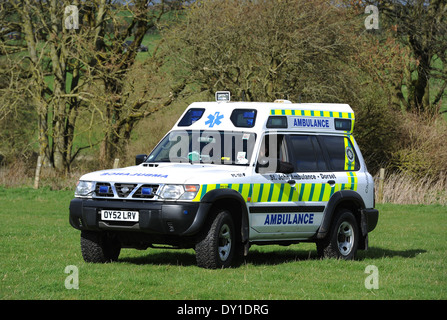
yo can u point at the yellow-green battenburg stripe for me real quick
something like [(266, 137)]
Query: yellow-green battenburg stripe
[(283, 192), (352, 181), (312, 113)]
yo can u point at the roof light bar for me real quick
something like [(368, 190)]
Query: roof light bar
[(282, 101), (223, 96)]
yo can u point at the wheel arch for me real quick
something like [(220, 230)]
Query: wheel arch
[(232, 201), (347, 199)]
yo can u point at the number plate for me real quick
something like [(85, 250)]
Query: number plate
[(119, 215)]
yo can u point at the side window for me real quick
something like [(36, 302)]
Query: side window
[(245, 118), (191, 116), (341, 153), (306, 153)]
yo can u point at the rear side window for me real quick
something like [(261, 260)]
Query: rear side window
[(243, 118), (306, 153), (342, 156)]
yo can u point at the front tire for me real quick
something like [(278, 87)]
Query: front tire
[(97, 247), (343, 239), (216, 247)]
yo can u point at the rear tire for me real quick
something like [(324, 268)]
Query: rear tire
[(97, 247), (343, 239), (217, 245)]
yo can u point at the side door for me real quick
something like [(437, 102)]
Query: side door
[(314, 181), (288, 192), (323, 165)]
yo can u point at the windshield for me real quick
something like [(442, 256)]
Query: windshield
[(215, 147)]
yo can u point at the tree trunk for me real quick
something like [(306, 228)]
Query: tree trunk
[(422, 88)]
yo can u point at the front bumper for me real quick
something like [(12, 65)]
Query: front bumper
[(170, 218)]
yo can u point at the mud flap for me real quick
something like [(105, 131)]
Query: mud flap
[(363, 245)]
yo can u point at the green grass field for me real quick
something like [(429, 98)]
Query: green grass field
[(37, 244)]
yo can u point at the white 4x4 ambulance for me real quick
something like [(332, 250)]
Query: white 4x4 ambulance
[(233, 174)]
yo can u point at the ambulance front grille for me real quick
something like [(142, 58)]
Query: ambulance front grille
[(136, 191)]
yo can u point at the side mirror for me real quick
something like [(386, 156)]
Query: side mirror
[(285, 167), (139, 158), (262, 165)]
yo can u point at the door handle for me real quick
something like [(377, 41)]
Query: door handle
[(291, 182), (331, 182)]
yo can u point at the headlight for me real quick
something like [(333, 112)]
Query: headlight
[(179, 191), (84, 188)]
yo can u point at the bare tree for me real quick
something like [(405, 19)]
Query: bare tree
[(422, 26), (52, 72), (113, 60), (71, 71), (265, 50)]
